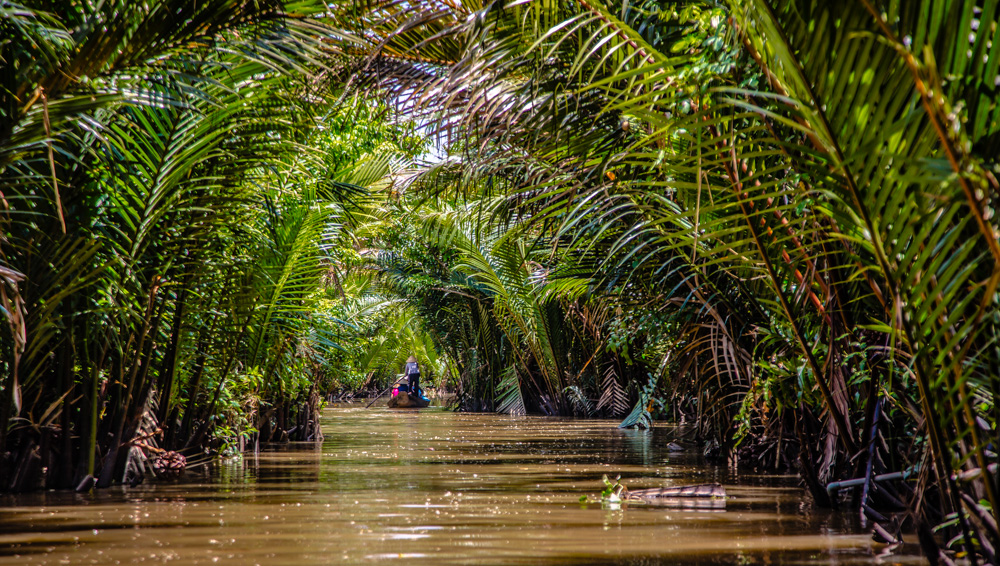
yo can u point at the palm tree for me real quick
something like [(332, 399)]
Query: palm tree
[(807, 183), (128, 149)]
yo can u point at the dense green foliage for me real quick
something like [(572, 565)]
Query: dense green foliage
[(161, 229), (773, 220), (783, 213)]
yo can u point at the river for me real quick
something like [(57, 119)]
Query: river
[(433, 487)]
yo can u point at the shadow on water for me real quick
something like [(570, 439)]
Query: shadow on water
[(433, 487)]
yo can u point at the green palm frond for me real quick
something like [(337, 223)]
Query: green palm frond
[(582, 406), (896, 172), (510, 399), (129, 141), (640, 416)]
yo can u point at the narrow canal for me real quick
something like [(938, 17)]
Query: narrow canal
[(434, 487)]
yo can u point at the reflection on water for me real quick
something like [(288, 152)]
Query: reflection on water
[(433, 487)]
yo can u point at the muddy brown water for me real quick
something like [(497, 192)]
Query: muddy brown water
[(433, 487)]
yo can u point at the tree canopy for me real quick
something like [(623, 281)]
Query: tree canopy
[(774, 221)]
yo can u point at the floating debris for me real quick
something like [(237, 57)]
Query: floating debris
[(709, 490), (706, 495), (169, 464)]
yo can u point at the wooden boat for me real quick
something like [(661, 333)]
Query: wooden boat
[(408, 401)]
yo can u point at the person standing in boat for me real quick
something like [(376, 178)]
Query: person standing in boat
[(412, 372)]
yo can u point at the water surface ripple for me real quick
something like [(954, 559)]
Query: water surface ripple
[(432, 487)]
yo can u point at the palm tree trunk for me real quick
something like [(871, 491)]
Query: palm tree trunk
[(181, 438), (171, 357), (112, 461), (94, 368)]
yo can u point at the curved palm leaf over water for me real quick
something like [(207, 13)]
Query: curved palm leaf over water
[(810, 185), (802, 193), (901, 152), (131, 139)]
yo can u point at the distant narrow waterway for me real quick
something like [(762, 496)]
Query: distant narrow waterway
[(433, 487)]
